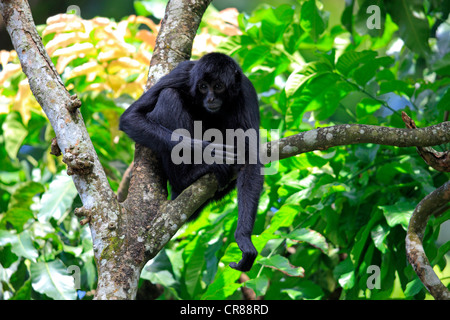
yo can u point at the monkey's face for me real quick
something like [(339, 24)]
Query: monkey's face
[(212, 94)]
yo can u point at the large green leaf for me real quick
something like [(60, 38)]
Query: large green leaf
[(399, 213), (21, 244), (259, 285), (349, 61), (224, 285), (14, 133), (282, 264), (312, 237), (311, 21), (298, 78), (17, 217), (255, 56), (58, 198), (52, 279), (306, 289), (23, 195), (283, 217), (194, 255), (344, 272), (444, 103), (412, 22)]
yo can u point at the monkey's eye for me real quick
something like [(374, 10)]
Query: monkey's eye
[(203, 87), (219, 87)]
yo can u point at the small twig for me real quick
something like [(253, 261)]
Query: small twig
[(55, 150), (440, 161), (122, 191)]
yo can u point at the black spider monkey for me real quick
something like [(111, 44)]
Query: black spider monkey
[(215, 91)]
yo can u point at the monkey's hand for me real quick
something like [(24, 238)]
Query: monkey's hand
[(220, 153), (212, 153)]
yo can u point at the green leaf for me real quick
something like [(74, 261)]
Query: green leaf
[(379, 235), (23, 195), (282, 264), (396, 86), (413, 287), (58, 198), (412, 23), (52, 279), (154, 7), (362, 236), (367, 71), (399, 213), (259, 285), (444, 102), (299, 77), (224, 285), (270, 31), (349, 61), (442, 65), (194, 263), (6, 237), (345, 274), (442, 251), (14, 133), (255, 56), (24, 293), (312, 237), (18, 217), (306, 290), (292, 37), (284, 217), (22, 245), (321, 94), (311, 21)]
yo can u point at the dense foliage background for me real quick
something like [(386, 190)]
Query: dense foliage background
[(331, 224)]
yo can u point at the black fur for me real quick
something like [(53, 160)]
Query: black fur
[(176, 102)]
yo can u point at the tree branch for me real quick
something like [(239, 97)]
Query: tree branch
[(62, 111), (434, 203), (340, 135)]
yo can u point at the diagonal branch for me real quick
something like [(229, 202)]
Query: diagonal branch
[(435, 203), (62, 111)]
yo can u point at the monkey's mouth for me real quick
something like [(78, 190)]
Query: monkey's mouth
[(213, 107)]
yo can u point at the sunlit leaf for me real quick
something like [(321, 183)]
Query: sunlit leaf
[(412, 22), (307, 290), (223, 286), (352, 59), (259, 285), (311, 237), (52, 279), (344, 273), (398, 213), (282, 264), (58, 198), (14, 133), (22, 245), (311, 21)]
